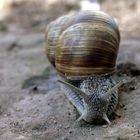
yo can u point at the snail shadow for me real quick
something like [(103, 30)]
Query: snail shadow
[(128, 69), (41, 83), (131, 70)]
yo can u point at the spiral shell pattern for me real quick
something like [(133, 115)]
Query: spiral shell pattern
[(83, 44)]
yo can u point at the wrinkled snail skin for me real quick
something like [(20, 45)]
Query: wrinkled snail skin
[(83, 48), (98, 106)]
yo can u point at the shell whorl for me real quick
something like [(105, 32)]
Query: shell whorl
[(92, 51), (53, 31), (83, 44)]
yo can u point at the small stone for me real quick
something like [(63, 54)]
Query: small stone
[(132, 125), (122, 105), (125, 108), (67, 126), (70, 132), (132, 88), (118, 138), (64, 138), (55, 122), (5, 115), (104, 126), (35, 88), (60, 126), (69, 113)]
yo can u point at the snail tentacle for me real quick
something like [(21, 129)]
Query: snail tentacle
[(106, 119), (73, 97), (75, 89), (109, 92)]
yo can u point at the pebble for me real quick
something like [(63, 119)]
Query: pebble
[(70, 132), (104, 126), (64, 138)]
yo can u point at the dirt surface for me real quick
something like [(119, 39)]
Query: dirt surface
[(32, 106)]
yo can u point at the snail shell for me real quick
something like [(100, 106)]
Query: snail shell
[(83, 44), (83, 48), (53, 32)]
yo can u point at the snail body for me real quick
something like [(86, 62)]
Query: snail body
[(94, 105), (83, 48)]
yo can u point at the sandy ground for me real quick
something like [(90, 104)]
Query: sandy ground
[(32, 106)]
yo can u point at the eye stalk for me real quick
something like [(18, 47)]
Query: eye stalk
[(75, 89)]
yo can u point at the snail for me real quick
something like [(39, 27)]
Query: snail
[(83, 49)]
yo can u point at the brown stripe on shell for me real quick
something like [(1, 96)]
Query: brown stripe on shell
[(53, 32), (95, 16), (94, 32), (87, 56), (80, 50), (75, 72), (57, 27)]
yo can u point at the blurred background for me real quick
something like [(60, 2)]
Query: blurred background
[(34, 15), (31, 104)]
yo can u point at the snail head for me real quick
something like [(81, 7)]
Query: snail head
[(95, 106)]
